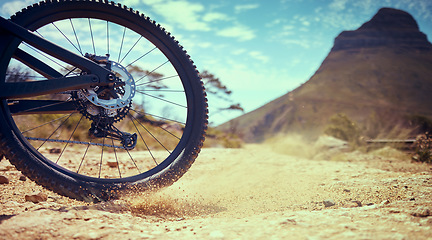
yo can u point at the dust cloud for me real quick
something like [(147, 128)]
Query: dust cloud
[(240, 182), (265, 190)]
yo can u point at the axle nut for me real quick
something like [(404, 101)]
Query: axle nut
[(111, 77)]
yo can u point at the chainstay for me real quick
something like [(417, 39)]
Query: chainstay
[(74, 142)]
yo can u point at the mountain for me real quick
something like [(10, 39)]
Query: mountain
[(379, 74)]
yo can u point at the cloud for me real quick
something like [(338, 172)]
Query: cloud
[(303, 20), (338, 5), (259, 56), (240, 32), (182, 14), (215, 16), (302, 43), (186, 15), (130, 3), (339, 16), (245, 7), (422, 8), (12, 7), (151, 2), (275, 22)]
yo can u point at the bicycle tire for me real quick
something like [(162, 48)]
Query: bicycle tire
[(35, 164)]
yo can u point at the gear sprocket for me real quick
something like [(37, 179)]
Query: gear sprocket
[(97, 113)]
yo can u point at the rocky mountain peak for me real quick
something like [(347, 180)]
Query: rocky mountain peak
[(389, 19), (377, 75), (388, 28)]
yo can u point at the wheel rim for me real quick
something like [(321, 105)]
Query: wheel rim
[(160, 135)]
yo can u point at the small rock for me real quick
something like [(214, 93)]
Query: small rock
[(55, 150), (350, 205), (329, 203), (112, 163), (22, 177), (394, 211), (422, 212), (289, 221), (357, 203), (4, 180), (36, 197)]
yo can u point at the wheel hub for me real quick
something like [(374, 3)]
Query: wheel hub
[(121, 91), (105, 105)]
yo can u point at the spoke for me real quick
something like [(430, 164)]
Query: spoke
[(161, 99), (162, 90), (100, 163), (108, 39), (70, 137), (121, 45), (76, 37), (88, 146), (139, 133), (47, 57), (91, 34), (115, 154), (71, 71), (130, 156), (153, 115), (66, 37), (145, 54), (151, 134), (131, 49), (172, 134), (55, 131), (159, 135), (82, 159), (44, 124), (157, 80), (36, 65), (152, 71), (40, 107)]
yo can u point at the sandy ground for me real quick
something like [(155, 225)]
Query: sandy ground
[(257, 192)]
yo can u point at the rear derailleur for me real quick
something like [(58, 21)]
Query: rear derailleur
[(111, 132)]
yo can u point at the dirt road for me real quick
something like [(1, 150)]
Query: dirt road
[(257, 192)]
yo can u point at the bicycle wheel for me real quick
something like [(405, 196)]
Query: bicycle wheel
[(90, 144)]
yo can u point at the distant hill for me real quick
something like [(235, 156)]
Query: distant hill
[(379, 74)]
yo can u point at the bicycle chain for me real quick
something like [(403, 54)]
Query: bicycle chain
[(75, 142)]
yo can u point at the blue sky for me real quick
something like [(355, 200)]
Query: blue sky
[(260, 49)]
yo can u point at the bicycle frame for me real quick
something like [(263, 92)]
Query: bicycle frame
[(95, 74), (54, 63)]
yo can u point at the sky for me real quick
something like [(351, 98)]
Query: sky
[(260, 49)]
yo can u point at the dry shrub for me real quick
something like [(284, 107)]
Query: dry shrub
[(217, 138), (423, 146), (342, 127)]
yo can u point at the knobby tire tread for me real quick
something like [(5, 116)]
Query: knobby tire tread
[(58, 182)]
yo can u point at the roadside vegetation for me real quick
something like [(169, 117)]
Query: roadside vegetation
[(340, 126)]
